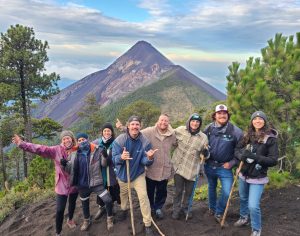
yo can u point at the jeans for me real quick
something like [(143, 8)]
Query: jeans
[(182, 187), (226, 178), (157, 193), (250, 195), (61, 201)]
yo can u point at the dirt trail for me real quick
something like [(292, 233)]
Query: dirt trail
[(280, 208)]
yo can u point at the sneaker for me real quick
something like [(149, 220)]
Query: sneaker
[(101, 212), (241, 222), (110, 223), (159, 214), (255, 233), (86, 224), (149, 231), (218, 218), (71, 224)]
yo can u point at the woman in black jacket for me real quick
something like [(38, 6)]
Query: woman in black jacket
[(258, 150)]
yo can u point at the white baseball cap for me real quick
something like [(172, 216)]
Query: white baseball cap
[(221, 107)]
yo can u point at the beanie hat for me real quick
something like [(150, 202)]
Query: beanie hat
[(134, 118), (82, 135), (108, 126), (259, 114), (68, 133), (195, 116)]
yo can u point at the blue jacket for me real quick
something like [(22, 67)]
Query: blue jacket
[(222, 141), (137, 149)]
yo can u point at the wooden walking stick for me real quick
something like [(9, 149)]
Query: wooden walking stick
[(130, 199), (230, 194), (159, 231)]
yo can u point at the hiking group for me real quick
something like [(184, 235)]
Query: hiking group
[(146, 159)]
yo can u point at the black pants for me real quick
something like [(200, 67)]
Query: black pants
[(115, 195), (183, 188), (157, 192), (61, 201), (85, 193)]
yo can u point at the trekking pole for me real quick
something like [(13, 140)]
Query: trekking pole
[(130, 199), (153, 222), (232, 188), (194, 188)]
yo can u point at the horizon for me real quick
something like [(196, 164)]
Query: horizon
[(204, 37)]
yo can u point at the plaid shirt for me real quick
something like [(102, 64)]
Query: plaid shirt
[(186, 157)]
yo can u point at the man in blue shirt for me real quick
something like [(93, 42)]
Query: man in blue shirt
[(223, 136), (136, 148)]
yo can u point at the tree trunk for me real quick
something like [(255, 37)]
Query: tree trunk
[(25, 116), (17, 157), (3, 162)]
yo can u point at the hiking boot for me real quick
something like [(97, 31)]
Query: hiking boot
[(110, 223), (71, 224), (175, 215), (211, 212), (218, 218), (100, 212), (255, 233), (241, 222), (86, 224), (123, 215), (159, 214), (149, 231)]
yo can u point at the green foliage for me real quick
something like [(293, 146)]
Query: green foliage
[(201, 193), (270, 83), (146, 110), (278, 180), (13, 199), (41, 173), (45, 128), (92, 115)]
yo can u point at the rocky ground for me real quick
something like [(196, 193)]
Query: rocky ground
[(280, 209)]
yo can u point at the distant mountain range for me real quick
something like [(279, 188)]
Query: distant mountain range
[(140, 73)]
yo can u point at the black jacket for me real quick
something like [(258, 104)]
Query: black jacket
[(266, 156)]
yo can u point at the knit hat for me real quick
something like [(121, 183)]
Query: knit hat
[(108, 126), (259, 114), (67, 133), (82, 135), (134, 118), (195, 116)]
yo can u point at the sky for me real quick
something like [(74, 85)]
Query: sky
[(204, 36)]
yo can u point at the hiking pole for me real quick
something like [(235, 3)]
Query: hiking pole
[(153, 222), (194, 188), (130, 199), (230, 194)]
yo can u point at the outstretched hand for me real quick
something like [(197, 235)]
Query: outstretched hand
[(150, 153), (125, 155), (119, 124), (16, 139)]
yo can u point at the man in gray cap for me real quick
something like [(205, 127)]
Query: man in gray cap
[(136, 148)]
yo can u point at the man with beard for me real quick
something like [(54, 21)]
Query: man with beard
[(136, 148), (223, 137)]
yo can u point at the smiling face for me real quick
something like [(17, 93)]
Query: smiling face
[(106, 133), (67, 142), (134, 128), (163, 123), (81, 139), (194, 125), (258, 123), (221, 117)]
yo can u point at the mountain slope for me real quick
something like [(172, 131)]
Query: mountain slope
[(140, 66)]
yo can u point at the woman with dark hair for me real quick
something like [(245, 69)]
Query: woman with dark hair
[(258, 150), (108, 173)]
